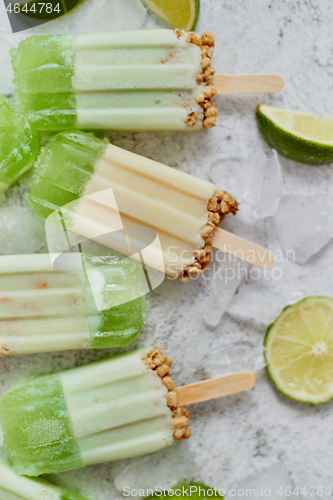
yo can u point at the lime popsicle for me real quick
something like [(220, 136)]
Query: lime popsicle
[(98, 305), (15, 487), (18, 145), (112, 409), (140, 80)]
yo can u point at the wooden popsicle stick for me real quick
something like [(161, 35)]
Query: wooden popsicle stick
[(247, 84), (243, 249), (215, 388)]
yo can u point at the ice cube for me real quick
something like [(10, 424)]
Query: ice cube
[(21, 232), (271, 187), (227, 276), (164, 469), (235, 357), (274, 483), (262, 303), (303, 225), (225, 54), (6, 74)]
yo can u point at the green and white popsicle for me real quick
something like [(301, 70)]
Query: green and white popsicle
[(15, 487), (112, 409), (140, 80), (99, 305), (18, 145)]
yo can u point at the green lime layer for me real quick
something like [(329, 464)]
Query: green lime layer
[(37, 428), (44, 76), (63, 170), (119, 282), (18, 145)]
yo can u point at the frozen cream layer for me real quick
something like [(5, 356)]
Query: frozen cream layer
[(183, 209), (112, 409), (140, 80), (43, 310), (18, 145), (15, 487)]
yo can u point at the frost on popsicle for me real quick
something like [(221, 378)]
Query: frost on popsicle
[(18, 145), (76, 172), (42, 310), (15, 487), (112, 409), (139, 80)]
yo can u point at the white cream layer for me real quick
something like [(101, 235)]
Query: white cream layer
[(136, 80), (118, 409)]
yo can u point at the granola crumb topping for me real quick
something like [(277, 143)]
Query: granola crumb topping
[(218, 207), (161, 366), (204, 99), (191, 119)]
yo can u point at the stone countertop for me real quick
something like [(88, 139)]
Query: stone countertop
[(234, 436)]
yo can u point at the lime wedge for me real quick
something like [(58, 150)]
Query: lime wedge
[(299, 350), (301, 137), (182, 14)]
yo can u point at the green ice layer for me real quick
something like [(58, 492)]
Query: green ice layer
[(44, 70), (141, 80), (41, 310), (18, 145), (15, 487), (108, 410)]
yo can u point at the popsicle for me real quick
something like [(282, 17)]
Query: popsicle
[(96, 304), (141, 80), (111, 409), (15, 487), (183, 209), (18, 145)]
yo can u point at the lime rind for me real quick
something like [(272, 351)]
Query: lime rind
[(299, 396), (291, 144)]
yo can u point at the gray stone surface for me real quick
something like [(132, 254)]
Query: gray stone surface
[(235, 436)]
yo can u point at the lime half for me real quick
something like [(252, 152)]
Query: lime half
[(301, 137), (299, 350), (182, 14)]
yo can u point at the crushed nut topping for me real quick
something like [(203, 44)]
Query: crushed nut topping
[(179, 33), (205, 98), (218, 207), (161, 366)]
